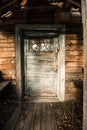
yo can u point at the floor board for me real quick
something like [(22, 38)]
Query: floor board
[(39, 117)]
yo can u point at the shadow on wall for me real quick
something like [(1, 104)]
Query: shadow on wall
[(8, 91), (1, 79)]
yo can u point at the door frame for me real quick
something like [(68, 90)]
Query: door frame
[(59, 30)]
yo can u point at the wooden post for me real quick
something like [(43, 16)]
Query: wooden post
[(84, 20)]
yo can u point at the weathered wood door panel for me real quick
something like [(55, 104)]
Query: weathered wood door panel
[(41, 66)]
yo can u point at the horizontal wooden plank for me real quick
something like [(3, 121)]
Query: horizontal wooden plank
[(75, 58), (8, 40), (74, 84), (74, 42), (8, 77), (70, 84), (8, 67), (73, 76), (40, 69), (73, 90), (42, 57), (78, 70), (74, 47), (40, 63), (70, 96), (7, 60), (74, 53), (74, 36), (45, 54), (7, 54), (7, 45), (5, 36), (40, 75), (8, 72), (73, 64), (4, 31), (7, 49)]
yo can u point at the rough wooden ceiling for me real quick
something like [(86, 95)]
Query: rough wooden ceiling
[(14, 9)]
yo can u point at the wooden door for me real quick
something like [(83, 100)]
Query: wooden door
[(41, 66)]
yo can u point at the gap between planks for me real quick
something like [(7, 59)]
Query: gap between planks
[(40, 117)]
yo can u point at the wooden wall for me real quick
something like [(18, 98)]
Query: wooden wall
[(7, 55), (74, 65), (74, 58)]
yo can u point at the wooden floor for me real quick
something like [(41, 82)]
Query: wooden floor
[(36, 116)]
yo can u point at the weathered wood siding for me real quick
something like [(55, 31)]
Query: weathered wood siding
[(7, 54), (74, 58), (74, 65)]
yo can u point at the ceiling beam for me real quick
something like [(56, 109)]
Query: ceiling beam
[(74, 2), (8, 4)]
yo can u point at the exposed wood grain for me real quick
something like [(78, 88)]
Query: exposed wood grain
[(37, 117), (74, 42), (7, 40), (7, 49), (84, 21), (43, 116), (74, 53), (7, 67), (75, 69), (7, 54), (8, 72), (75, 58), (74, 47), (10, 76), (7, 44), (31, 125), (73, 76), (7, 60), (70, 96), (74, 36), (74, 64)]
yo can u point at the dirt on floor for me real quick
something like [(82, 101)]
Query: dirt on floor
[(7, 108), (68, 115)]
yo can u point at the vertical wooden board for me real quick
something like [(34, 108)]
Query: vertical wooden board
[(43, 116), (84, 20), (31, 124), (37, 117)]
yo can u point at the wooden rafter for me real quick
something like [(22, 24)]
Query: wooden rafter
[(8, 4), (23, 2), (74, 2)]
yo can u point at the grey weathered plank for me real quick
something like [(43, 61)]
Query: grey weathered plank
[(40, 116), (31, 125), (37, 117), (43, 116), (30, 113)]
